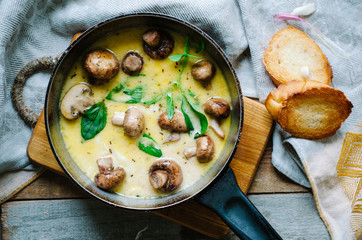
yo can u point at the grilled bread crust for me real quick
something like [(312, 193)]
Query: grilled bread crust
[(310, 110), (291, 49)]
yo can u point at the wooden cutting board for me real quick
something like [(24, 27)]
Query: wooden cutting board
[(255, 134)]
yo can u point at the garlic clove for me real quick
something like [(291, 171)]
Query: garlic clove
[(304, 10)]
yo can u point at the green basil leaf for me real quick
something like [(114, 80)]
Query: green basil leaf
[(139, 75), (136, 94), (153, 100), (188, 122), (94, 120), (198, 119), (170, 107), (176, 57), (149, 146), (115, 90)]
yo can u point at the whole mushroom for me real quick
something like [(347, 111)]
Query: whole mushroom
[(203, 151), (132, 121), (101, 65), (108, 177), (203, 71), (132, 63), (157, 44), (219, 109), (177, 124), (76, 101), (165, 175)]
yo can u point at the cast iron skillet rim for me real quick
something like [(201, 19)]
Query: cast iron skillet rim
[(217, 176)]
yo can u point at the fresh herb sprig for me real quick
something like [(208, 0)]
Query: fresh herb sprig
[(149, 146), (94, 120), (136, 95), (196, 121), (184, 57)]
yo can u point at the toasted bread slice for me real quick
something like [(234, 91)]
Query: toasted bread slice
[(290, 51), (310, 110)]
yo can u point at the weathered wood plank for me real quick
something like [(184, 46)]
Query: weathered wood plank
[(50, 186), (294, 216), (84, 219), (268, 180)]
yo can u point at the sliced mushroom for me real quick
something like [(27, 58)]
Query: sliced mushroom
[(204, 150), (132, 121), (173, 137), (101, 65), (214, 125), (177, 124), (165, 175), (132, 63), (76, 101), (203, 71), (157, 44), (219, 109), (108, 177)]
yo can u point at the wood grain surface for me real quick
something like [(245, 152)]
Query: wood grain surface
[(294, 216), (255, 135)]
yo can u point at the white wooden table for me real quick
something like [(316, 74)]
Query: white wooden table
[(54, 208)]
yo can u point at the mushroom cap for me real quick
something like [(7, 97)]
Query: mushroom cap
[(134, 122), (205, 149), (177, 124), (101, 65), (110, 179), (203, 71), (132, 63), (76, 101), (217, 107), (162, 49), (165, 175)]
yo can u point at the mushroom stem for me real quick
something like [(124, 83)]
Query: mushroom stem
[(203, 151), (190, 152), (105, 164), (118, 118), (173, 137), (132, 121), (214, 125), (159, 178)]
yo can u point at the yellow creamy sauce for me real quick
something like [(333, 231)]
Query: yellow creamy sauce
[(160, 74)]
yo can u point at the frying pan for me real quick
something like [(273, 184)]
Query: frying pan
[(217, 189)]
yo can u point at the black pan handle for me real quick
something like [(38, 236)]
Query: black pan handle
[(231, 204)]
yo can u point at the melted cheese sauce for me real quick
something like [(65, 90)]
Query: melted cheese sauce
[(160, 74)]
